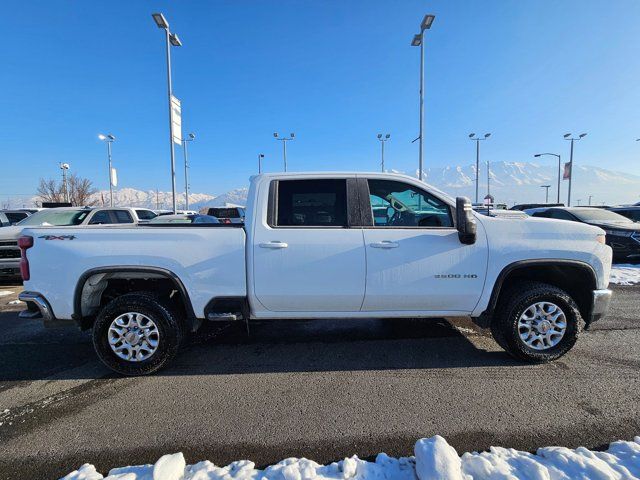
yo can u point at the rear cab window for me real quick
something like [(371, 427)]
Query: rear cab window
[(122, 216), (311, 203)]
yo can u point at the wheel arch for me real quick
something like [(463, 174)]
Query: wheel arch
[(555, 272), (82, 317)]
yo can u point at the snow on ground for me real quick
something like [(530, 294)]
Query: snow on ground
[(625, 274), (4, 293), (434, 459)]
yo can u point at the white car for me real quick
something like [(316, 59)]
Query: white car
[(323, 245)]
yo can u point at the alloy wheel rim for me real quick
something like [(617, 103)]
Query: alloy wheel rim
[(133, 337), (542, 325)]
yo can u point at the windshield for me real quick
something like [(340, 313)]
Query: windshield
[(55, 218), (599, 215)]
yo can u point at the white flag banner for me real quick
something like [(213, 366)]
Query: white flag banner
[(176, 120), (114, 177)]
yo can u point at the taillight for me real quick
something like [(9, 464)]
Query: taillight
[(25, 242)]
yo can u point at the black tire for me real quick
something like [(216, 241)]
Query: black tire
[(514, 302), (170, 327)]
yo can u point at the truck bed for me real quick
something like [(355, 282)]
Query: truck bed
[(208, 259)]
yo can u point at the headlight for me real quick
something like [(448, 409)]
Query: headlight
[(619, 233)]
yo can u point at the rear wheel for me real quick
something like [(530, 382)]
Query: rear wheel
[(536, 322), (137, 334)]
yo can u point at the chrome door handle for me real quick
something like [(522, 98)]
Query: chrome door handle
[(274, 245), (385, 244)]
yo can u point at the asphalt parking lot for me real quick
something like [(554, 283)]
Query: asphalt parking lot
[(321, 389)]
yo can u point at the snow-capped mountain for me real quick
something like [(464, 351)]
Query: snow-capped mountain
[(237, 197), (520, 182), (130, 197)]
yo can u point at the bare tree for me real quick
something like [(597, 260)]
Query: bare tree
[(50, 191), (81, 191)]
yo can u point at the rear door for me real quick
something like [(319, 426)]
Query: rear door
[(415, 260), (309, 256)]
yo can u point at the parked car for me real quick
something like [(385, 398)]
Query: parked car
[(14, 216), (197, 218), (631, 212), (58, 217), (623, 234), (228, 214), (312, 248)]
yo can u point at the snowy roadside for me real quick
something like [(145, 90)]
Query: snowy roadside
[(625, 274), (434, 459)]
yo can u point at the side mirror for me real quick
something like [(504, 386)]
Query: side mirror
[(465, 221)]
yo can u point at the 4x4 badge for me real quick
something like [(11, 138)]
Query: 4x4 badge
[(58, 237)]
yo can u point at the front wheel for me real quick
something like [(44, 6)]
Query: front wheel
[(536, 322), (137, 334)]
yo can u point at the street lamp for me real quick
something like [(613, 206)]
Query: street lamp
[(191, 138), (473, 137), (546, 193), (418, 41), (382, 142), (568, 136), (64, 167), (171, 39), (284, 146), (109, 139), (559, 170), (260, 157)]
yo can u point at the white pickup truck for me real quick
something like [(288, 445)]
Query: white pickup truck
[(320, 245)]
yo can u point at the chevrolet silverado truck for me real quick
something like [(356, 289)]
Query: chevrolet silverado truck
[(314, 246)]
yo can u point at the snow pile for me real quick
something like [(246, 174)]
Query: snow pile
[(4, 293), (625, 274), (434, 459)]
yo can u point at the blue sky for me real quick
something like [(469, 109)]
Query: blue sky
[(334, 72)]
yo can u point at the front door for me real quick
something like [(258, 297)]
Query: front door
[(415, 261), (309, 259)]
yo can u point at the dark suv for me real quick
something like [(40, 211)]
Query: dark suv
[(623, 234)]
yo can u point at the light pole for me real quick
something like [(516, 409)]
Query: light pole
[(260, 157), (473, 137), (559, 170), (64, 167), (284, 146), (568, 136), (171, 39), (382, 142), (590, 197), (546, 193), (191, 138), (418, 41), (109, 139)]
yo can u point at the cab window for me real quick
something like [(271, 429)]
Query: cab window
[(101, 217), (400, 205), (122, 216), (311, 203)]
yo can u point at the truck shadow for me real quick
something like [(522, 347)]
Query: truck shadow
[(333, 346), (30, 352)]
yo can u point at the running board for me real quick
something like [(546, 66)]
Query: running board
[(222, 317)]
